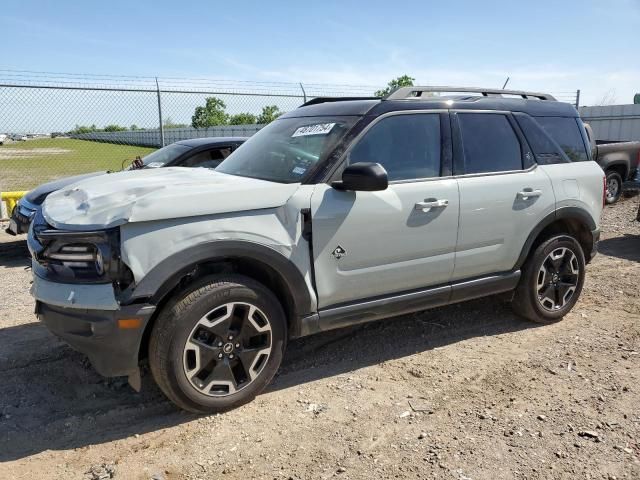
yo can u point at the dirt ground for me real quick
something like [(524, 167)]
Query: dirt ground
[(21, 152), (464, 392)]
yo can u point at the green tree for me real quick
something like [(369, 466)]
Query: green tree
[(114, 128), (242, 119), (213, 113), (403, 81), (84, 129), (269, 114), (169, 123), (134, 127)]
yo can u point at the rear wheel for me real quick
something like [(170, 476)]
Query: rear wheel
[(614, 187), (218, 345), (551, 281)]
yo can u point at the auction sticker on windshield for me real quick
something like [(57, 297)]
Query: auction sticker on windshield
[(317, 129)]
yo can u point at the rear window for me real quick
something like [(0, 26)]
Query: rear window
[(489, 143), (566, 132)]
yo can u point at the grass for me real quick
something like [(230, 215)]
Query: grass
[(27, 167)]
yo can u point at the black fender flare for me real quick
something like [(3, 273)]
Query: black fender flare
[(574, 213), (165, 276), (615, 162)]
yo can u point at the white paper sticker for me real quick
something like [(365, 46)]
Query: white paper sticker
[(317, 129), (299, 170)]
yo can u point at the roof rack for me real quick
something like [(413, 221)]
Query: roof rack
[(408, 93), (316, 100)]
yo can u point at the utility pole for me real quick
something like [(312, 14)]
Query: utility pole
[(160, 114), (304, 94)]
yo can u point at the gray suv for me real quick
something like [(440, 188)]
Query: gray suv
[(340, 212)]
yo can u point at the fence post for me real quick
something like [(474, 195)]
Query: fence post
[(577, 98), (160, 114), (304, 94)]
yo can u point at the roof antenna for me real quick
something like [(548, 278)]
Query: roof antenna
[(505, 83)]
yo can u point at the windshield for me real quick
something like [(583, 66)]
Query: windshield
[(160, 157), (286, 149)]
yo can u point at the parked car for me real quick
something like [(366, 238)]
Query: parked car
[(619, 160), (336, 213), (3, 138), (18, 137), (197, 152)]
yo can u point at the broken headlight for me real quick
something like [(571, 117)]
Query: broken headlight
[(77, 256)]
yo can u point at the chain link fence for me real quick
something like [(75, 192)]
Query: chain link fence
[(58, 125)]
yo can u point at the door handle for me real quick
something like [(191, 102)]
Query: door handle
[(529, 193), (428, 205)]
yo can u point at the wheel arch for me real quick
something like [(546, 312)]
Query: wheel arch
[(621, 166), (568, 220), (259, 262)]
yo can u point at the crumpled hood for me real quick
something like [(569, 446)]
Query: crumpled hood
[(153, 194), (38, 194)]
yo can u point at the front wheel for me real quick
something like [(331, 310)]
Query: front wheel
[(218, 344), (551, 281), (614, 187)]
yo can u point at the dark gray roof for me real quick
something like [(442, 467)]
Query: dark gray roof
[(378, 107), (347, 107), (210, 141)]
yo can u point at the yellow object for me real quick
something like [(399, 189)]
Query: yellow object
[(11, 199)]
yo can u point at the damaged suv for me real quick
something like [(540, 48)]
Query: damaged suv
[(340, 212)]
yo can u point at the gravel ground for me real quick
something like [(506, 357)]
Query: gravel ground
[(468, 391)]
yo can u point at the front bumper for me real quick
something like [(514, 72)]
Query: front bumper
[(82, 316)]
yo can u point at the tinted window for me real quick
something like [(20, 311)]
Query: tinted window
[(544, 148), (566, 132), (489, 143), (207, 158), (407, 146), (164, 155)]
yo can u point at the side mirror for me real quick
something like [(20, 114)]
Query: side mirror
[(364, 177)]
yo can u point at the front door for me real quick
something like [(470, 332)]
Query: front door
[(367, 244)]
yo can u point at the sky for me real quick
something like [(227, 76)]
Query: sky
[(553, 46)]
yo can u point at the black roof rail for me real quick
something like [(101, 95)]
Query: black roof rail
[(409, 93), (317, 100)]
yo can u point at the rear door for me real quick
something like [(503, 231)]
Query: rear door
[(503, 195), (367, 244)]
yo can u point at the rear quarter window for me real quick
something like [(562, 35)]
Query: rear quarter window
[(566, 132), (545, 149)]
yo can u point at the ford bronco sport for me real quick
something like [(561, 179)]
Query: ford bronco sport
[(340, 212)]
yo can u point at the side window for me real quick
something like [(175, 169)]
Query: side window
[(489, 143), (207, 158), (407, 146), (566, 132), (544, 148)]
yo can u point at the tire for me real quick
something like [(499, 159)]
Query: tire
[(550, 268), (614, 187), (218, 343)]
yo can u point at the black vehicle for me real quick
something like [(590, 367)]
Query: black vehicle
[(194, 153)]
